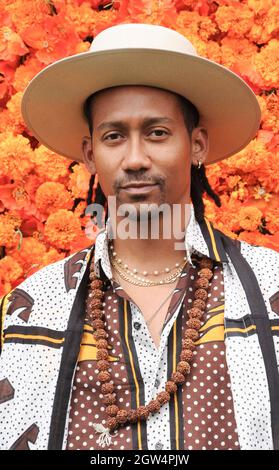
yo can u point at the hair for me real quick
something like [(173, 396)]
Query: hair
[(199, 181)]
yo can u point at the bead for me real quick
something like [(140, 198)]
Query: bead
[(192, 334), (132, 416), (143, 413), (202, 282), (205, 272), (98, 324), (112, 423), (171, 386), (194, 323), (107, 388), (104, 376), (95, 303), (119, 261), (102, 354), (200, 294), (103, 365), (109, 399), (145, 273), (183, 367), (188, 344), (97, 294), (156, 273), (195, 313), (102, 344), (163, 397), (100, 333), (112, 410), (92, 276), (96, 284), (122, 416), (186, 355), (177, 377), (199, 303), (126, 266), (206, 263), (97, 313), (153, 406), (167, 270)]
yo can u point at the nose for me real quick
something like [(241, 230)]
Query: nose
[(136, 156)]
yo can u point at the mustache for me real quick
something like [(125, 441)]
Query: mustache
[(156, 179)]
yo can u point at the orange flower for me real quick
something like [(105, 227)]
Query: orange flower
[(49, 165), (79, 181), (10, 272), (270, 111), (9, 225), (52, 196), (267, 63), (236, 20), (250, 218), (29, 255), (15, 156), (62, 228), (11, 45), (24, 73)]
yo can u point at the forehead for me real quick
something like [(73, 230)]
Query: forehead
[(133, 98)]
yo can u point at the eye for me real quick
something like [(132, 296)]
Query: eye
[(158, 130), (110, 135)]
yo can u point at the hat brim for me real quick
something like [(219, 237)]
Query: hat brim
[(52, 104)]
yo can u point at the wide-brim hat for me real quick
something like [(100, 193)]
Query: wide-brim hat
[(139, 54)]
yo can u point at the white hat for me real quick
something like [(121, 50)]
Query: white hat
[(139, 54)]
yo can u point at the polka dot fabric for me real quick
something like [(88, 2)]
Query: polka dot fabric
[(206, 402)]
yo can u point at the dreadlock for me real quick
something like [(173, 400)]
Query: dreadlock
[(199, 181)]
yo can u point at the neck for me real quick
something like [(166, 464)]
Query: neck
[(154, 244)]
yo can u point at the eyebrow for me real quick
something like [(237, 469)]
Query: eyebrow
[(123, 125)]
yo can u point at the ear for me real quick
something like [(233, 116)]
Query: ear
[(199, 145), (88, 155)]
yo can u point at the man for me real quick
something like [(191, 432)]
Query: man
[(133, 343)]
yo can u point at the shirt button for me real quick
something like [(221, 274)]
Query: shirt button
[(137, 325), (158, 445), (157, 383)]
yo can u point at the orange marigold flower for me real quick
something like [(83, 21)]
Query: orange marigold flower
[(235, 50), (250, 218), (51, 196), (25, 72), (267, 63), (236, 20), (17, 124), (266, 20), (10, 269), (62, 228), (15, 156), (79, 181), (270, 111), (12, 45), (29, 255), (9, 225), (50, 165)]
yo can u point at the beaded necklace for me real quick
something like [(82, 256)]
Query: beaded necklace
[(95, 314)]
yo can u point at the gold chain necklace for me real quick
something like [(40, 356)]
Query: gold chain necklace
[(146, 282)]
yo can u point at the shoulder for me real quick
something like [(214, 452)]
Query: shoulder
[(44, 293)]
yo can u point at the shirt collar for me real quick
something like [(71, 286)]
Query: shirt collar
[(201, 238)]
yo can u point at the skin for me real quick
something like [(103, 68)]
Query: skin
[(121, 155)]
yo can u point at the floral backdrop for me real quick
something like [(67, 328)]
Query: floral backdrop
[(43, 195)]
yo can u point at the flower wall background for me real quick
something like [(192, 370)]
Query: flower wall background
[(42, 195)]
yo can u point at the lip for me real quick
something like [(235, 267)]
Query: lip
[(139, 188)]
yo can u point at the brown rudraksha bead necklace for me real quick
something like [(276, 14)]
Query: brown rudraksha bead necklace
[(95, 314)]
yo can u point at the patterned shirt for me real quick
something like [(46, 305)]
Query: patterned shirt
[(200, 414)]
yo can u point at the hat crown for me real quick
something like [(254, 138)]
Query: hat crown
[(140, 35)]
